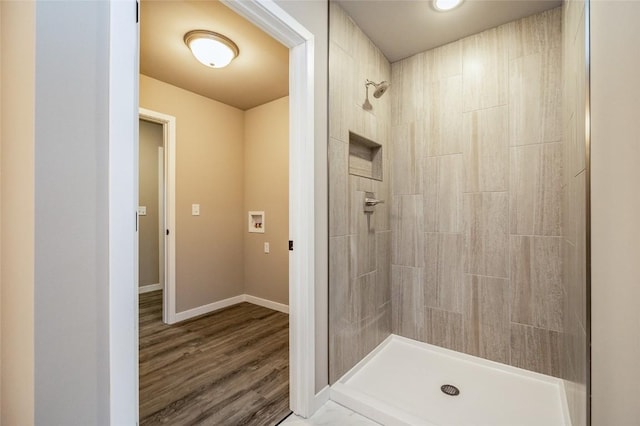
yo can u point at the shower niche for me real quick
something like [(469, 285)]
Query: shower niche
[(365, 157)]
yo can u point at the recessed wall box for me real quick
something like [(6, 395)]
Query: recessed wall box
[(256, 222)]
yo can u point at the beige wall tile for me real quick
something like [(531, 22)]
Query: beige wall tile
[(363, 247), (486, 233), (536, 286), (383, 268), (338, 279), (407, 231), (340, 93), (449, 193), (535, 197), (382, 191), (536, 33), (484, 69), (444, 271), (430, 191), (569, 205), (444, 329), (573, 290), (363, 300), (535, 113), (357, 188), (443, 188), (486, 317), (407, 102), (486, 152), (443, 62), (580, 100), (338, 188), (535, 349), (407, 302), (443, 112), (406, 158), (342, 29)]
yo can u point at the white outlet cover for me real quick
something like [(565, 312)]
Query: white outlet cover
[(195, 209), (142, 210)]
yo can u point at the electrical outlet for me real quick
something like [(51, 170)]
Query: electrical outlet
[(266, 247), (195, 209), (142, 210)]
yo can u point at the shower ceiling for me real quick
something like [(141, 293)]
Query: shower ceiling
[(402, 28)]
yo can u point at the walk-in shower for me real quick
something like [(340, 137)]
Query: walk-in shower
[(464, 293)]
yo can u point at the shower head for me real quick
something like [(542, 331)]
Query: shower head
[(380, 88)]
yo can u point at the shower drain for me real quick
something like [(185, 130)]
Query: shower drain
[(450, 390)]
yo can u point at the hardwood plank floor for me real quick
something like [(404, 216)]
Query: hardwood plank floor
[(230, 367)]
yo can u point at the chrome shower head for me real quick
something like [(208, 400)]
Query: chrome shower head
[(380, 88)]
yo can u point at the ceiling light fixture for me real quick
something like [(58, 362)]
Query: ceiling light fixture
[(211, 49), (444, 5)]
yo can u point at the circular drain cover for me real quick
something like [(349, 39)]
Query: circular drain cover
[(450, 390)]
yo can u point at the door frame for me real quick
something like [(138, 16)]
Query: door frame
[(168, 123), (123, 200), (269, 17)]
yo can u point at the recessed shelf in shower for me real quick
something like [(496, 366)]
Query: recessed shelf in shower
[(365, 157)]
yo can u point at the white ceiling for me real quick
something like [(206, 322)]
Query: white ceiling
[(402, 28), (258, 75)]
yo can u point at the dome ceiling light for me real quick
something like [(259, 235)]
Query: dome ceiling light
[(445, 5), (211, 49)]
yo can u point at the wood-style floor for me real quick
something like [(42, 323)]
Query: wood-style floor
[(230, 367)]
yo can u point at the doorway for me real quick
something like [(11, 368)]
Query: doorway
[(159, 154), (123, 203), (220, 264)]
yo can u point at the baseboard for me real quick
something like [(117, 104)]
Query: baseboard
[(205, 309), (149, 287), (211, 307), (266, 303)]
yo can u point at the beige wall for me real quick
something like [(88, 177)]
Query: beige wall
[(209, 172), (151, 138), (266, 188), (574, 263), (17, 226), (615, 212), (229, 161), (359, 243)]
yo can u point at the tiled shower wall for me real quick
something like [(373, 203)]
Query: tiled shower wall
[(573, 358), (476, 170), (480, 247), (359, 243)]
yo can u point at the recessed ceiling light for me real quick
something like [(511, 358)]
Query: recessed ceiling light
[(211, 49), (444, 5)]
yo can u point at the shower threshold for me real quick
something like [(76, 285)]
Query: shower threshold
[(405, 382)]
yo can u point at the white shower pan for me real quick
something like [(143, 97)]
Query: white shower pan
[(399, 383)]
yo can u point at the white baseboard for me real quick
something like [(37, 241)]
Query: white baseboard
[(205, 309), (149, 287), (266, 303), (211, 307)]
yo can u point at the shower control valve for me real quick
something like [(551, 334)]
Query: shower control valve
[(370, 202)]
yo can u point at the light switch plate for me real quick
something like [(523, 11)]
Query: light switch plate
[(195, 209), (142, 210), (266, 247)]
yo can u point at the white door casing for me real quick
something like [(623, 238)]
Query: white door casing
[(168, 123)]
